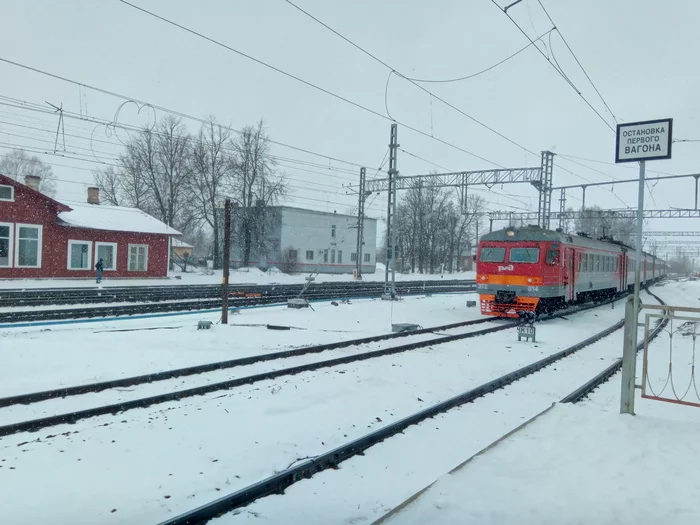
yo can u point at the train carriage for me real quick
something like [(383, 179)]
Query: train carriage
[(522, 271)]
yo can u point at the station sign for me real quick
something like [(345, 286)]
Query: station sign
[(649, 140)]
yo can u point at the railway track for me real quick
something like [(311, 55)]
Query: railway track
[(266, 296), (121, 406), (95, 295), (279, 482)]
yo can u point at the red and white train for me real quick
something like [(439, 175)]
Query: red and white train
[(522, 271)]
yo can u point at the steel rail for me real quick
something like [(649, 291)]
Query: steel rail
[(277, 483), (587, 388), (26, 399), (72, 417)]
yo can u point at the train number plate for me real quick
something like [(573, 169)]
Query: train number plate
[(526, 331)]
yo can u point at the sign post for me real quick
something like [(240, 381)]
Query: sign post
[(638, 142)]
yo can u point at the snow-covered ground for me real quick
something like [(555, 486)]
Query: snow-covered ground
[(241, 276), (145, 465), (40, 358), (581, 463)]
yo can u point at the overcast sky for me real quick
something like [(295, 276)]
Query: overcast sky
[(642, 56)]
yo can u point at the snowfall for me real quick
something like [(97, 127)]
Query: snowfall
[(198, 275), (559, 464)]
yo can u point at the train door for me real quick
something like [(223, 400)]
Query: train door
[(622, 263), (569, 273)]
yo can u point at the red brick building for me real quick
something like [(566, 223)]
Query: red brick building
[(43, 238)]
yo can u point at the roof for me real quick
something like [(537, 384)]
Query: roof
[(12, 182), (318, 212), (114, 218), (179, 243)]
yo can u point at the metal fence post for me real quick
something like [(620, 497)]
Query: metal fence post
[(629, 359)]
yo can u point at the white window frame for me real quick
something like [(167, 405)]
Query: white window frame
[(10, 255), (367, 257), (40, 240), (340, 257), (128, 262), (307, 255), (72, 242), (12, 193), (114, 257)]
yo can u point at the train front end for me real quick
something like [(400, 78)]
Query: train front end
[(512, 271)]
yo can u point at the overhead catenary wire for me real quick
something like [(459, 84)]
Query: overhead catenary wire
[(164, 109), (486, 70), (393, 70), (577, 61), (551, 63)]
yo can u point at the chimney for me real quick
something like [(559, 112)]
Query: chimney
[(32, 181), (93, 195)]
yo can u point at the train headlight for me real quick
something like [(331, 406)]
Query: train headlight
[(484, 277), (529, 279)]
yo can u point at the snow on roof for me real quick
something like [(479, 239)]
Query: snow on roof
[(114, 218), (179, 243)]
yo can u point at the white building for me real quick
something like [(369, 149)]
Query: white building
[(302, 240)]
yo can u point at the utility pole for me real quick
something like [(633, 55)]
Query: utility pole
[(227, 262), (360, 222), (390, 287)]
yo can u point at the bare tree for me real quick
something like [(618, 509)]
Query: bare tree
[(110, 183), (212, 177), (257, 185), (17, 164), (598, 223)]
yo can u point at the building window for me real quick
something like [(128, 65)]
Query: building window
[(293, 255), (79, 255), (325, 256), (333, 231), (5, 245), (340, 256), (353, 257), (309, 255), (332, 256), (138, 257), (7, 193), (28, 246), (107, 251), (367, 257)]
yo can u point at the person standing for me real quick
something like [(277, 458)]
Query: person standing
[(99, 267)]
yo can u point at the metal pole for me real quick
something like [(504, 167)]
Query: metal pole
[(629, 354), (360, 222), (629, 359), (583, 200), (227, 261), (391, 215), (696, 192)]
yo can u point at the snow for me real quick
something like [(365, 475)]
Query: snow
[(239, 276), (39, 358), (573, 465), (115, 218), (197, 449), (179, 243)]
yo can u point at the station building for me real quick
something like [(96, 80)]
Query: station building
[(41, 237), (308, 241)]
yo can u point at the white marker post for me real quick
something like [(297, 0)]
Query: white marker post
[(638, 142)]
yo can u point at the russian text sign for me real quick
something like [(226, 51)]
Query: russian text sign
[(650, 140)]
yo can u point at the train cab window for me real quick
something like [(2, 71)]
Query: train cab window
[(524, 255), (553, 257), (492, 254)]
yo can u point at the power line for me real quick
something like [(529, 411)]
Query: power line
[(577, 60), (549, 61), (167, 110), (323, 90), (394, 71), (458, 79)]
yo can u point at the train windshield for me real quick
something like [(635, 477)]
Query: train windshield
[(492, 254), (524, 255)]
